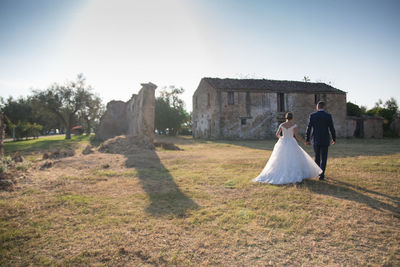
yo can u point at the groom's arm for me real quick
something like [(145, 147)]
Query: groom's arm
[(332, 129), (308, 132)]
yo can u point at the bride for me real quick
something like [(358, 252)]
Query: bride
[(288, 163)]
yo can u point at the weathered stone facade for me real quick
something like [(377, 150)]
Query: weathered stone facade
[(373, 127), (253, 109), (135, 117), (395, 126), (364, 126)]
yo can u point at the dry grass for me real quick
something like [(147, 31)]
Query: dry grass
[(199, 207)]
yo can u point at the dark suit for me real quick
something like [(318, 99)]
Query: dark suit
[(321, 124)]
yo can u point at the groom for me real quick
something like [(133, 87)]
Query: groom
[(321, 124)]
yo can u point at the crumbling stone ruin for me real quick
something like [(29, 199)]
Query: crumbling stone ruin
[(133, 118)]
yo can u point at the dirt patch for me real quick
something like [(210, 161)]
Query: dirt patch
[(167, 146), (7, 181), (17, 157), (46, 165), (59, 153), (87, 150)]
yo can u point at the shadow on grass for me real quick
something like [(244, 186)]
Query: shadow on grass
[(165, 195), (343, 190), (343, 148)]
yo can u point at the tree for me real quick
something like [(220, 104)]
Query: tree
[(170, 113), (387, 110), (353, 110), (20, 118), (64, 101), (90, 114), (44, 117), (306, 79), (17, 110)]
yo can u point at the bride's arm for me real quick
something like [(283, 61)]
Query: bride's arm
[(278, 132), (298, 136)]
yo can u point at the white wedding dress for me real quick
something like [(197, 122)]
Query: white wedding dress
[(288, 163)]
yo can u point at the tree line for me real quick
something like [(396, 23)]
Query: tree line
[(66, 106), (61, 106)]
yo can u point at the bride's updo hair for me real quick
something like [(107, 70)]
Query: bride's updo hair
[(289, 116)]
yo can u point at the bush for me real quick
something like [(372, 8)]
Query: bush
[(5, 163), (23, 166), (3, 168)]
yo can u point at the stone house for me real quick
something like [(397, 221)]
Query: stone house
[(253, 108)]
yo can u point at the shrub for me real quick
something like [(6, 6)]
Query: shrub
[(23, 166), (3, 167), (5, 163)]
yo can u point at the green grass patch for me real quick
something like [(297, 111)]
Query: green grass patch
[(43, 144), (73, 200)]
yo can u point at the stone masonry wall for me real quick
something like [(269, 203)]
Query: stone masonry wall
[(141, 112), (205, 120), (135, 117), (336, 105), (395, 126), (113, 122), (251, 116), (373, 127)]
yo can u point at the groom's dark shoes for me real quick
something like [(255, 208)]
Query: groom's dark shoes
[(322, 177)]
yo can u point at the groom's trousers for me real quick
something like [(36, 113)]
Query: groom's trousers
[(321, 156)]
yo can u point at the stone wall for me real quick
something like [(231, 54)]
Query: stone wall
[(337, 106), (141, 112), (251, 116), (351, 126), (113, 122), (205, 109), (364, 127), (373, 127), (395, 126), (135, 117)]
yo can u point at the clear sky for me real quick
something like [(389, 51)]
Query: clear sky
[(354, 45)]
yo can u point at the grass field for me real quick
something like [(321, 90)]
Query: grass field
[(198, 206)]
